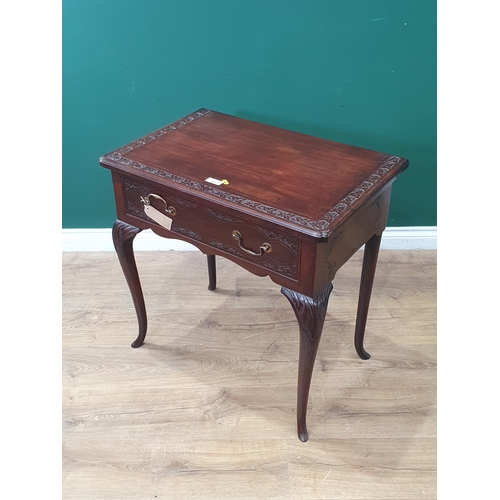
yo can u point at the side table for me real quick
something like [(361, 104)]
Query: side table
[(277, 203)]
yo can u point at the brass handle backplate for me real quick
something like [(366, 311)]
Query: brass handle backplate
[(264, 248), (169, 209)]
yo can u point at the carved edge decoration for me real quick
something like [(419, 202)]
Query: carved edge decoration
[(289, 271), (309, 312), (181, 201), (291, 243), (159, 133), (130, 185), (318, 225), (221, 216), (122, 232), (186, 232), (225, 248), (133, 210)]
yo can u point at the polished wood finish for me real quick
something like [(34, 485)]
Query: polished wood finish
[(292, 207), (212, 272), (123, 238), (211, 230), (206, 408), (365, 291), (286, 178), (310, 313)]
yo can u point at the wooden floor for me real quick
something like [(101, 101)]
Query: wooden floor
[(205, 409)]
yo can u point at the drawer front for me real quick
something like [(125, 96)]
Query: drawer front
[(215, 227)]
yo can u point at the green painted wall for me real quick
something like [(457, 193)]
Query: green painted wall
[(360, 72)]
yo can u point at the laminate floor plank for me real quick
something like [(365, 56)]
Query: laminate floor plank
[(206, 407), (363, 469)]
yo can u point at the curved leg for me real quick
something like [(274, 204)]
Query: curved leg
[(310, 314), (212, 277), (123, 237), (367, 274)]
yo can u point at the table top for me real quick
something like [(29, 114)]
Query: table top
[(285, 177)]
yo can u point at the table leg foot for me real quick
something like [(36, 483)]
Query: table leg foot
[(212, 276), (362, 353), (138, 341), (303, 435), (365, 290), (310, 313), (123, 237)]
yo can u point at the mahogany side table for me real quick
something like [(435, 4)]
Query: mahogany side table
[(277, 203)]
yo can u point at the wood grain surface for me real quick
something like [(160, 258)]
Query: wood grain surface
[(271, 173), (205, 409)]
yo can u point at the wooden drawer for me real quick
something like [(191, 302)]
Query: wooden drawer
[(201, 223)]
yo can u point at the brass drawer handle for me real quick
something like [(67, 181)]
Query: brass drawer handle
[(169, 209), (264, 248)]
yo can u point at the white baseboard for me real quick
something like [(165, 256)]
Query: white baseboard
[(99, 240), (409, 238)]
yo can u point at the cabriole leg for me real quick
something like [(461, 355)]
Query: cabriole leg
[(310, 313), (370, 257), (123, 237)]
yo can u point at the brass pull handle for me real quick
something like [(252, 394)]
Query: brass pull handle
[(264, 248), (169, 209)]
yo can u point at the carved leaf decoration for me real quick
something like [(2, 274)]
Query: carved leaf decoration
[(310, 313)]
